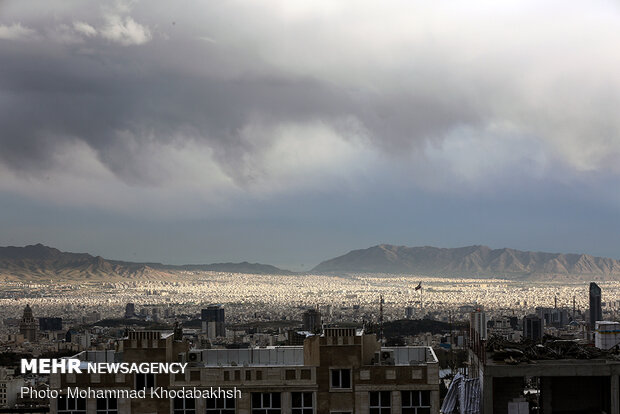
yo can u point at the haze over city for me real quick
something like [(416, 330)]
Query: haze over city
[(290, 132)]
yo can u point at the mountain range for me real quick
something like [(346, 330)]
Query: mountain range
[(468, 261), (42, 262), (39, 262)]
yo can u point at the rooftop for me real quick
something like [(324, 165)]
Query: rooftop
[(272, 356)]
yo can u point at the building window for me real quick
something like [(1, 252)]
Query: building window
[(306, 374), (107, 406), (290, 374), (301, 403), (341, 378), (266, 403), (145, 381), (380, 402), (220, 406), (184, 406), (71, 405), (416, 402)]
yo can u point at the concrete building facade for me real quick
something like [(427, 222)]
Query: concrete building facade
[(340, 371), (9, 387), (311, 319), (533, 328), (213, 320), (566, 385)]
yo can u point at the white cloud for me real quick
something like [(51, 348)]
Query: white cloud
[(85, 29), (125, 30), (304, 156), (16, 31), (73, 23), (549, 70)]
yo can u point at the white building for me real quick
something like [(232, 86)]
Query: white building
[(607, 334)]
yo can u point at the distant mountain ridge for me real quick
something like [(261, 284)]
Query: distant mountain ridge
[(468, 261), (42, 262), (39, 262)]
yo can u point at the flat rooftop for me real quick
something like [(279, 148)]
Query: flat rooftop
[(412, 355), (269, 356), (294, 356)]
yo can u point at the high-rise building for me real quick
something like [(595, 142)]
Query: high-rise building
[(50, 324), (478, 325), (477, 331), (501, 327), (312, 320), (533, 328), (28, 325), (556, 317), (130, 310), (214, 318), (596, 311)]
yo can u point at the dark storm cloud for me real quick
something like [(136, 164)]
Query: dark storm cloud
[(49, 99), (244, 88), (62, 93)]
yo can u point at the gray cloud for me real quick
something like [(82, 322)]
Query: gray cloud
[(15, 31), (222, 99)]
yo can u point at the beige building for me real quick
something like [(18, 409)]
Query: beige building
[(9, 387), (340, 371), (28, 325)]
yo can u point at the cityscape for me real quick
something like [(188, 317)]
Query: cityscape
[(350, 298), (457, 324)]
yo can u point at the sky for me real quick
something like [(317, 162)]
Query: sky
[(289, 132)]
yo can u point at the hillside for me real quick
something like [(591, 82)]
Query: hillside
[(468, 261), (39, 262)]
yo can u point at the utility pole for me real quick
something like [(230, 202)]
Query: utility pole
[(381, 318), (421, 310)]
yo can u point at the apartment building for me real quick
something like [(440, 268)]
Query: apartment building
[(9, 387), (339, 371)]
